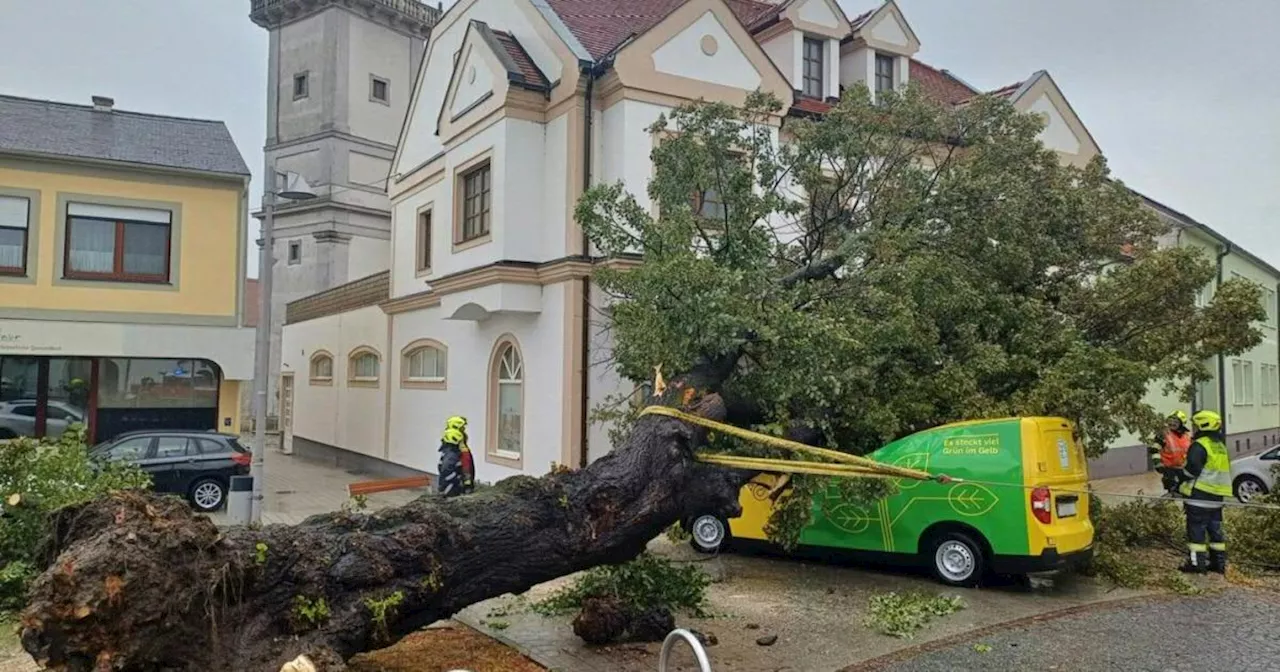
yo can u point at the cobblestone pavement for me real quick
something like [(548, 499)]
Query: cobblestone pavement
[(1235, 629)]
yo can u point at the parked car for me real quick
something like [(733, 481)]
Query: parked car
[(1251, 476), (18, 418), (197, 465)]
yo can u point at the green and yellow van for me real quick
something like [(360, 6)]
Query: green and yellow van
[(1015, 507)]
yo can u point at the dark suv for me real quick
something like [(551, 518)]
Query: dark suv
[(197, 465)]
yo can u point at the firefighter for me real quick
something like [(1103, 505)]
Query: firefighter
[(1205, 484), (457, 470), (459, 423), (1172, 455)]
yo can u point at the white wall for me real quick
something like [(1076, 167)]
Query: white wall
[(418, 416), (783, 51), (388, 55), (351, 418), (367, 256), (604, 381), (857, 66), (683, 55)]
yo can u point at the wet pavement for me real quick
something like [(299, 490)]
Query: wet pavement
[(1233, 630)]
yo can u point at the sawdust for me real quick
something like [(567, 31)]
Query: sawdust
[(440, 649)]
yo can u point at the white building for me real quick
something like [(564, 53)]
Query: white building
[(485, 307)]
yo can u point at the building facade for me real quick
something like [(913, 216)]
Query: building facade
[(485, 307), (122, 261), (339, 77)]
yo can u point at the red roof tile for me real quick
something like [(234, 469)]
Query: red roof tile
[(602, 25), (939, 85), (532, 75), (1006, 91), (810, 106)]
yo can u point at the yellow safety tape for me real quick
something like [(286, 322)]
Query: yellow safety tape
[(792, 467), (789, 445)]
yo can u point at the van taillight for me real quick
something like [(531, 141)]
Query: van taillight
[(242, 459), (1040, 505)]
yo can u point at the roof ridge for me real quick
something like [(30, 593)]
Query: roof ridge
[(79, 106)]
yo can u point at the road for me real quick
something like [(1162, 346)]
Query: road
[(1236, 629)]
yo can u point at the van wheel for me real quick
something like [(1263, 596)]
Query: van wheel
[(957, 559), (707, 533)]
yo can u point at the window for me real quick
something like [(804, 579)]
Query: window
[(295, 252), (130, 449), (117, 243), (884, 72), (1202, 296), (475, 203), (301, 85), (208, 447), (507, 402), (813, 53), (1242, 382), (15, 214), (1269, 305), (424, 365), (1270, 384), (321, 368), (172, 446), (708, 204), (379, 90), (363, 367), (424, 241)]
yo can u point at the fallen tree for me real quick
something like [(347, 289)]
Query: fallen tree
[(897, 265), (140, 582)]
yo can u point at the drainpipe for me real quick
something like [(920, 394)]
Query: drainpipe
[(592, 71), (1222, 364)]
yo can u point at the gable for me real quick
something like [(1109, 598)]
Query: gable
[(1064, 132), (887, 30), (700, 51), (704, 50), (818, 17), (473, 81), (419, 144), (478, 85)]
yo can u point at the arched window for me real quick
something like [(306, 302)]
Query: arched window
[(321, 371), (363, 367), (506, 404), (424, 365)]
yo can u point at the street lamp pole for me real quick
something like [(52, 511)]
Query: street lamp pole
[(295, 188)]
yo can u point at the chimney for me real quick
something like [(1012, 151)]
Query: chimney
[(103, 103)]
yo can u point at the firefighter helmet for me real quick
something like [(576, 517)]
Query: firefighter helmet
[(1207, 421)]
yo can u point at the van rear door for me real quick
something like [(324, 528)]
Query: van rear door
[(1056, 463)]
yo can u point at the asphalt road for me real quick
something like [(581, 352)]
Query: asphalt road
[(1237, 630)]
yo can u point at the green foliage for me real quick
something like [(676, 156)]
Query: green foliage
[(899, 265), (379, 609), (1140, 524), (47, 474), (902, 614), (308, 613), (356, 503), (644, 583), (260, 553), (676, 534), (1253, 534)]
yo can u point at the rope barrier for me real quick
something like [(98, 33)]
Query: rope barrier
[(853, 466)]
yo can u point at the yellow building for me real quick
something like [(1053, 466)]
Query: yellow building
[(122, 265)]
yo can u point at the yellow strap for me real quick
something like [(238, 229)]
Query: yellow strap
[(870, 465), (792, 466)]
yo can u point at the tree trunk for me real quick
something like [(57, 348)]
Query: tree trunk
[(139, 582)]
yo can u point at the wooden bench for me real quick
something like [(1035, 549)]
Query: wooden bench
[(387, 485)]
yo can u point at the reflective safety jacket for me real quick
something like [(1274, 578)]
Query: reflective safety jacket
[(1174, 451), (1206, 478)]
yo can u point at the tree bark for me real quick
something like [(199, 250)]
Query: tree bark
[(139, 582)]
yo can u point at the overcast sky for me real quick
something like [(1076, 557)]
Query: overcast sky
[(1180, 94)]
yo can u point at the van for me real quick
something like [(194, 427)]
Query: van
[(1015, 506)]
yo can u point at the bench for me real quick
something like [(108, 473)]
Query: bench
[(387, 485)]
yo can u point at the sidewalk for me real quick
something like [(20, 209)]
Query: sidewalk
[(1107, 489), (296, 489)]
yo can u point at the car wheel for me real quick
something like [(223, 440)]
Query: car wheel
[(956, 559), (1249, 488), (208, 494), (707, 533)]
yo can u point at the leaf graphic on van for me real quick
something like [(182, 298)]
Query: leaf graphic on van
[(971, 499), (851, 518), (911, 461)]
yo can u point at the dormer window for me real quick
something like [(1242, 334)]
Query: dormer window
[(813, 62), (884, 72)]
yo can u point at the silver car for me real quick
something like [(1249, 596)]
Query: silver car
[(1251, 477)]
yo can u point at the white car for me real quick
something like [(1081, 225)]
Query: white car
[(18, 418), (1251, 476)]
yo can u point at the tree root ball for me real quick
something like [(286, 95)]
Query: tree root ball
[(606, 620)]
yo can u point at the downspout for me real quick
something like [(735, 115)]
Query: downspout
[(592, 72), (1222, 362)]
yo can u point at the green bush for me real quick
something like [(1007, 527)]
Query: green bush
[(1253, 534), (902, 614), (1140, 524), (46, 475), (644, 583)]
